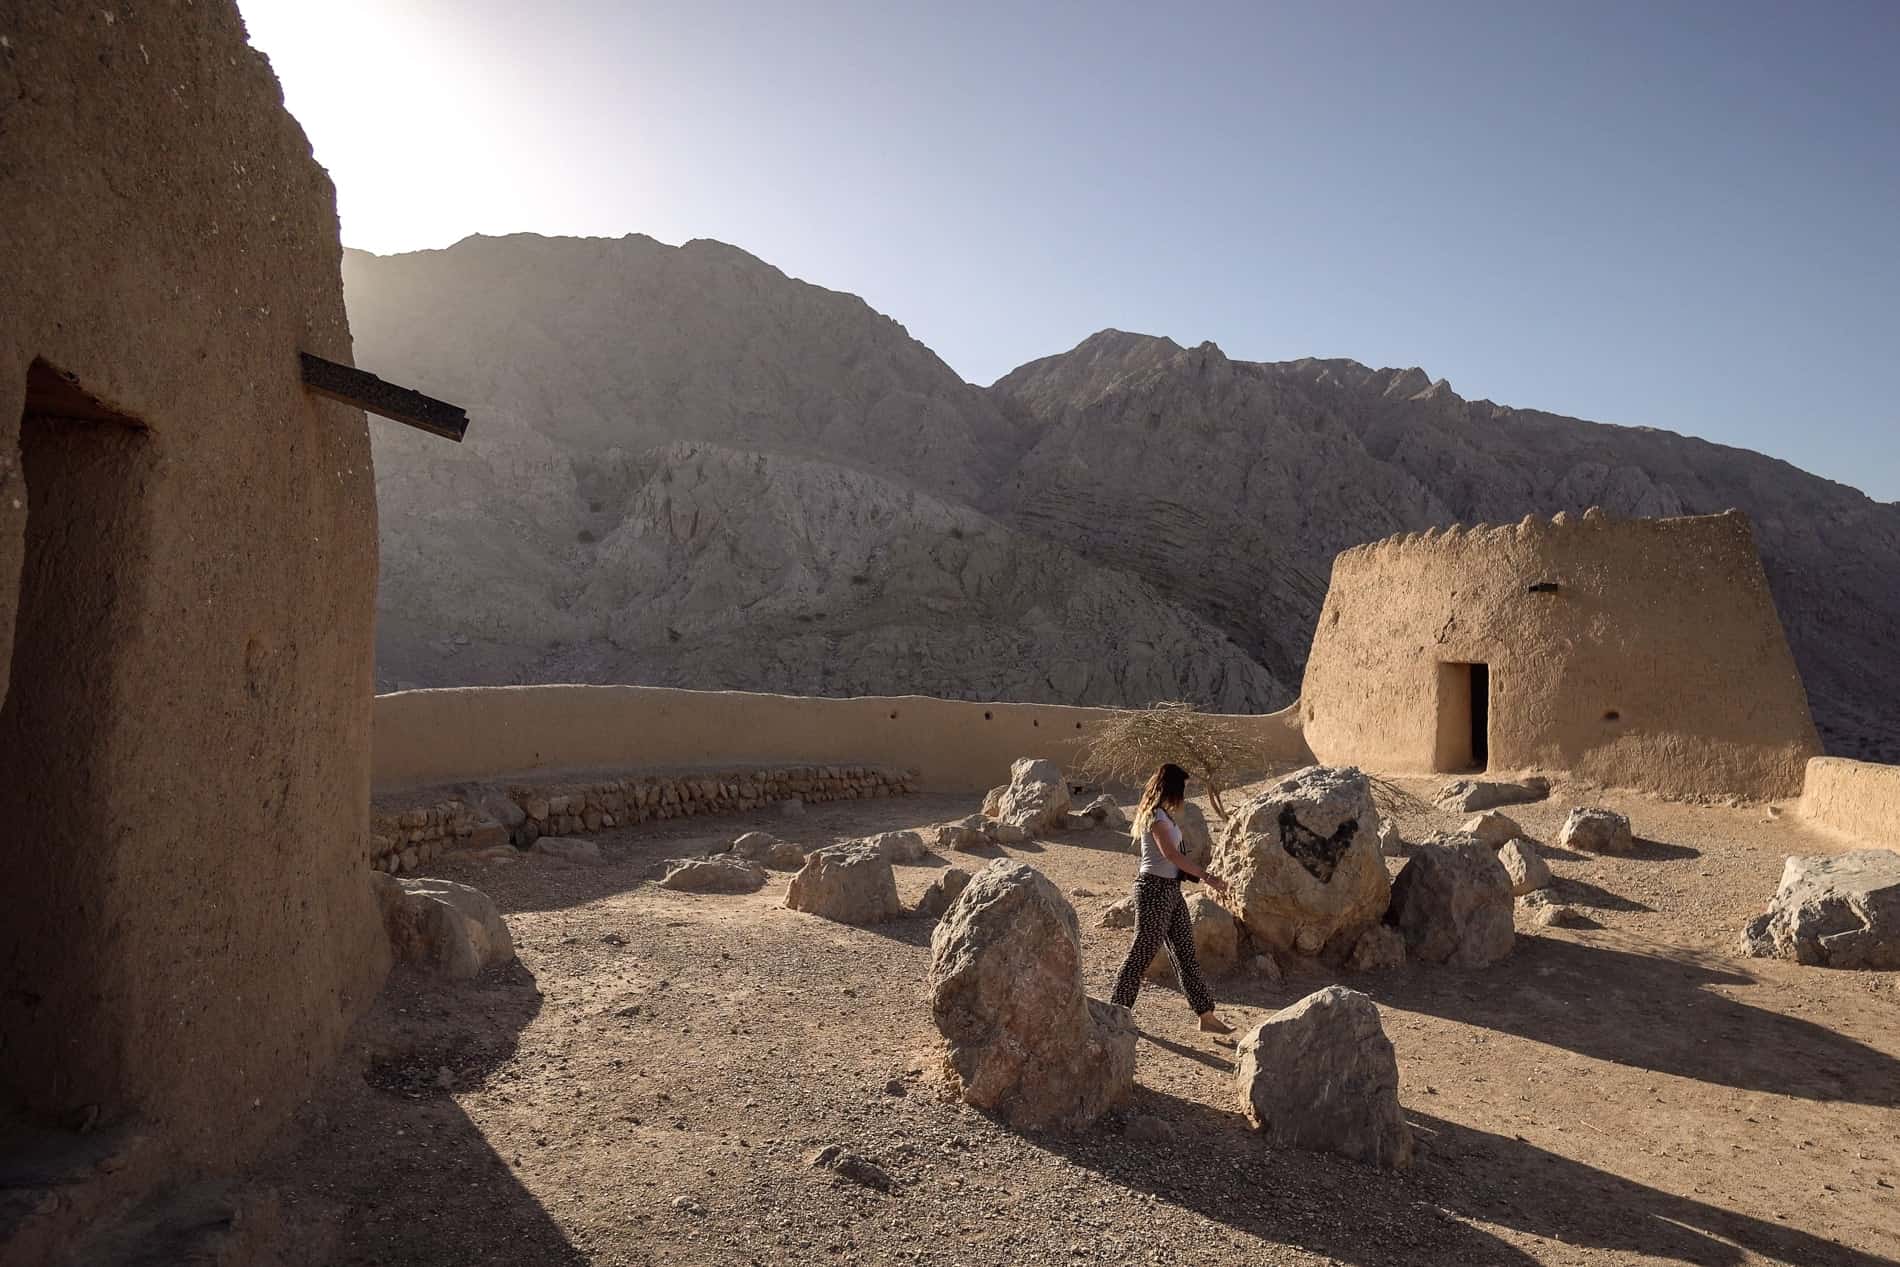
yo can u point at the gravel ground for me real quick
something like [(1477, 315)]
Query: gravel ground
[(647, 1083)]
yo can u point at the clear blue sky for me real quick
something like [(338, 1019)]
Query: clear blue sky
[(1681, 215)]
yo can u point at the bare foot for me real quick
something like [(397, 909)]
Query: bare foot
[(1212, 1024)]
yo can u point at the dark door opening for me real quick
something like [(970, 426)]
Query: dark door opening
[(1481, 716), (1464, 718), (86, 471)]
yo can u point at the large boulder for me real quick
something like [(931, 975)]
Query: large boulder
[(850, 883), (1022, 1039), (443, 927), (1302, 862), (1472, 795), (768, 851), (1216, 941), (1321, 1075), (1037, 798), (1526, 867), (1596, 831), (722, 873), (1834, 912), (1452, 902)]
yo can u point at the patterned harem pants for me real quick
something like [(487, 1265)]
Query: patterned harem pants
[(1161, 915)]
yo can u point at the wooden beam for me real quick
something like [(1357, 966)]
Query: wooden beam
[(369, 393)]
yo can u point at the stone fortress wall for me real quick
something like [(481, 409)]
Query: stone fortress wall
[(1640, 653), (187, 576)]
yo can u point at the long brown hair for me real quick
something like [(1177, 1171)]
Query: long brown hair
[(1167, 789)]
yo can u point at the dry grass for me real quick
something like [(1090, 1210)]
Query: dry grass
[(1126, 748)]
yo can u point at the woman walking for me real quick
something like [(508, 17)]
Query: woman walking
[(1161, 913)]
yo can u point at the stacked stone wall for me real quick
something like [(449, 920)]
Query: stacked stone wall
[(405, 837)]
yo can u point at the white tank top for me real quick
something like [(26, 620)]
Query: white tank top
[(1152, 863)]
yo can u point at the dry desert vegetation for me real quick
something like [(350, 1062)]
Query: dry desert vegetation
[(658, 1076)]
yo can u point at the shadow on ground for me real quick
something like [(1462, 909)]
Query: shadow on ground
[(1461, 1177), (388, 1168), (1627, 1004)]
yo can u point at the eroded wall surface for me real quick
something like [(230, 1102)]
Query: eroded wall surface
[(1657, 661), (427, 737), (186, 589), (1859, 799)]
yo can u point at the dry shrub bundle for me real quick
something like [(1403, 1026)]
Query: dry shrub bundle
[(1127, 747)]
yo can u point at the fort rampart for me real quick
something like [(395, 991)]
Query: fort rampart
[(496, 734), (1858, 799)]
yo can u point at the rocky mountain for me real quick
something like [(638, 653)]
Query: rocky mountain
[(687, 468), (628, 507)]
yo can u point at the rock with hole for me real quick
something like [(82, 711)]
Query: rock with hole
[(1303, 865)]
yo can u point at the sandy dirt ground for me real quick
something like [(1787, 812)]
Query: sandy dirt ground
[(645, 1084)]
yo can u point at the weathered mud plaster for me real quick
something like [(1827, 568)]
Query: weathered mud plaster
[(187, 571), (1858, 799), (426, 737), (1641, 653)]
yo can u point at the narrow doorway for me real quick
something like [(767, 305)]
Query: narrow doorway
[(1480, 716), (86, 471), (1464, 718)]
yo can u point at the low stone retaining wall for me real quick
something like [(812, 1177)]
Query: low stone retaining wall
[(403, 838)]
